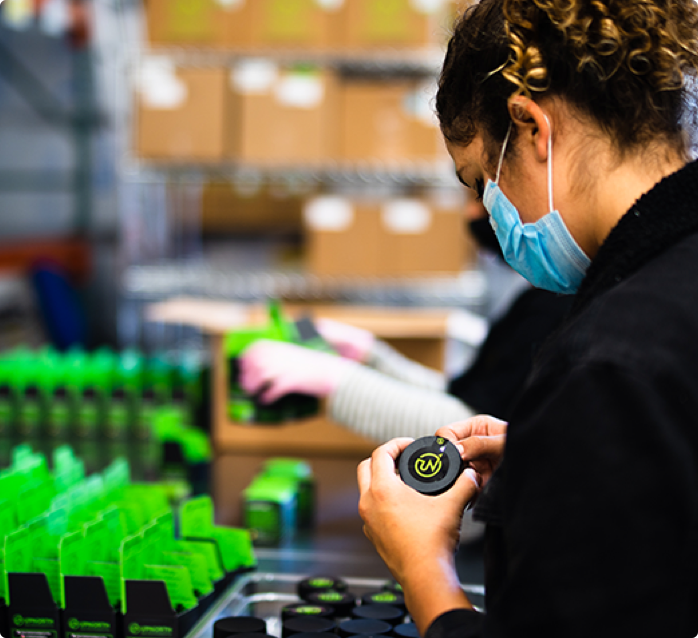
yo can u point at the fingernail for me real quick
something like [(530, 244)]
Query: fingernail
[(472, 474), (460, 448)]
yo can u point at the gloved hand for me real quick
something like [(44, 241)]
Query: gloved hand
[(348, 341), (273, 369)]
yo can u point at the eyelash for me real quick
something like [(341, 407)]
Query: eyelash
[(479, 189)]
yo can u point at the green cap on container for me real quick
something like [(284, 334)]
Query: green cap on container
[(287, 467), (270, 488)]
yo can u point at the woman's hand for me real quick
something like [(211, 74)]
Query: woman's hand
[(273, 369), (348, 341), (481, 439), (416, 535)]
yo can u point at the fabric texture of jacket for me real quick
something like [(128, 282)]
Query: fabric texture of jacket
[(593, 513)]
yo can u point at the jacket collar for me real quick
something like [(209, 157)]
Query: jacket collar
[(658, 219)]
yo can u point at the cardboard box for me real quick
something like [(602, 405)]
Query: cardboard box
[(180, 112), (207, 23), (278, 115), (306, 24), (230, 207), (390, 121), (397, 238), (372, 24)]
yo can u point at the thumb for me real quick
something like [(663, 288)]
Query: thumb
[(466, 487)]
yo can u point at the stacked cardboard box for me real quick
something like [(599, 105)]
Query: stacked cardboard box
[(281, 115), (339, 25), (393, 238), (389, 121), (180, 112), (245, 206), (264, 113)]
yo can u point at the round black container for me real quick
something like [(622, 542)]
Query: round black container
[(430, 465), (253, 635), (406, 630), (305, 610), (386, 613), (342, 601), (307, 625), (234, 625), (384, 598), (320, 634), (316, 584), (363, 626)]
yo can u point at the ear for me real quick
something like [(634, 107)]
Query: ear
[(533, 125)]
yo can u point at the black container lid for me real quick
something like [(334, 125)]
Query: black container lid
[(253, 635), (430, 465), (342, 601), (388, 613), (392, 585), (314, 584), (406, 630), (319, 634), (363, 626), (384, 598), (305, 610), (307, 624), (233, 625)]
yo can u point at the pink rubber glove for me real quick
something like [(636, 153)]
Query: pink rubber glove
[(349, 341), (273, 369)]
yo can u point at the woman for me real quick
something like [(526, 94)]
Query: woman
[(571, 119)]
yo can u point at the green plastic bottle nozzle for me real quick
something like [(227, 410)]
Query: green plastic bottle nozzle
[(129, 371), (196, 445), (277, 329), (167, 424)]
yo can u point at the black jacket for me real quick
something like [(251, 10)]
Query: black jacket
[(593, 512), (492, 384)]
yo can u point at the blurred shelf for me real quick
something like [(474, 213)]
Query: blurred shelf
[(425, 61), (418, 173), (155, 282)]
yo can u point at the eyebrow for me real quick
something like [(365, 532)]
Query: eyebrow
[(461, 180)]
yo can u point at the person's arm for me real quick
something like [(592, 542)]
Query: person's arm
[(389, 361), (416, 535), (381, 408), (364, 347)]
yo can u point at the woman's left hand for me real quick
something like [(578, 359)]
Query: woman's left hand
[(416, 535)]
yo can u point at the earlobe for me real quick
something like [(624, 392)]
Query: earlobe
[(532, 123)]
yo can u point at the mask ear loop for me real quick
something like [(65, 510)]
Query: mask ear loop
[(550, 164), (501, 155)]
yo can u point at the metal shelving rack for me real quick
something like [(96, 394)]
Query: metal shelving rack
[(153, 275)]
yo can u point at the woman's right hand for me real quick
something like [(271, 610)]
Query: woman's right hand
[(482, 438)]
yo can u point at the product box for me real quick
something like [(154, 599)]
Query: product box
[(203, 23), (281, 115), (249, 207), (389, 121), (371, 24), (396, 238), (306, 24), (180, 112)]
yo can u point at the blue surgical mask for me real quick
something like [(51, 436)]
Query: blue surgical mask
[(545, 252)]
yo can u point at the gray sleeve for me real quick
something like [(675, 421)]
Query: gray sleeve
[(379, 407), (390, 362)]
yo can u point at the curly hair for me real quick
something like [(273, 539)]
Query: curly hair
[(630, 65)]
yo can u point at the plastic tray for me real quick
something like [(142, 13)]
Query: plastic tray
[(263, 595)]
